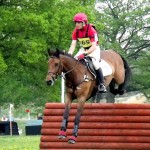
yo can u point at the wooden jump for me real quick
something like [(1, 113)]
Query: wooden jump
[(102, 126)]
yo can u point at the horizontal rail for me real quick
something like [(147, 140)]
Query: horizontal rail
[(98, 132), (96, 145), (97, 112), (99, 106), (133, 119), (121, 139), (98, 125)]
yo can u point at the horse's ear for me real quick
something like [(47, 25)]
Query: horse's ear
[(57, 52), (50, 52)]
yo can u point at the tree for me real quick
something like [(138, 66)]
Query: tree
[(126, 30), (28, 29)]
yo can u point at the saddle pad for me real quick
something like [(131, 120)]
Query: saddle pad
[(107, 70)]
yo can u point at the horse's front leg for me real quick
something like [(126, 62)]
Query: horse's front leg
[(62, 133), (80, 106)]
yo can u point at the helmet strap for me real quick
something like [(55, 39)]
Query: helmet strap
[(83, 23)]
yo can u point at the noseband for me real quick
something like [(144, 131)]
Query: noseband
[(57, 72)]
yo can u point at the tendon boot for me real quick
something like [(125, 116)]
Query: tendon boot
[(101, 87)]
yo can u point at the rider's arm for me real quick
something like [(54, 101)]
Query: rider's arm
[(92, 48), (72, 47)]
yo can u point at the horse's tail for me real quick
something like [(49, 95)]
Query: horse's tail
[(127, 76)]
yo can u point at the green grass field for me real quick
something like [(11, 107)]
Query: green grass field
[(20, 142)]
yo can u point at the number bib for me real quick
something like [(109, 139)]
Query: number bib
[(85, 42)]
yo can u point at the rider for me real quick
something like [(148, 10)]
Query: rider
[(88, 39)]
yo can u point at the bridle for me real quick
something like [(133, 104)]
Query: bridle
[(60, 67)]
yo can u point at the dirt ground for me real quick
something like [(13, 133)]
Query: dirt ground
[(137, 98)]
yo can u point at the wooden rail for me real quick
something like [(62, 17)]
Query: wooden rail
[(102, 126)]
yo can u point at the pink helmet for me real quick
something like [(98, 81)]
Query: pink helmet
[(81, 17)]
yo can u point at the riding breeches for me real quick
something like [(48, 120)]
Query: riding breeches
[(95, 55)]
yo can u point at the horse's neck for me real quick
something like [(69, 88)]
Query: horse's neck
[(69, 63), (72, 68)]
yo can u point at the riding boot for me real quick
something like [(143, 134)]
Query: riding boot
[(101, 87)]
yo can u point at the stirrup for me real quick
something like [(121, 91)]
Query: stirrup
[(102, 88)]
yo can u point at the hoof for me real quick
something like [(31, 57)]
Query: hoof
[(121, 92), (62, 135), (72, 140), (114, 92)]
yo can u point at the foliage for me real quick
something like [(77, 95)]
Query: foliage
[(141, 76), (126, 30), (3, 66), (29, 28)]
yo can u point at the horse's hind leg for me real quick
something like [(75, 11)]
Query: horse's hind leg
[(122, 87), (120, 90), (127, 73), (112, 87), (72, 139)]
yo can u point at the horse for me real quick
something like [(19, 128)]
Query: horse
[(81, 83)]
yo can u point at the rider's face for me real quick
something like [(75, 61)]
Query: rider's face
[(79, 25)]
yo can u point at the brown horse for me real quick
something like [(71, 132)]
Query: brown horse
[(81, 83)]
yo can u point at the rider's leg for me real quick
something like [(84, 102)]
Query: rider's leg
[(95, 55), (101, 87)]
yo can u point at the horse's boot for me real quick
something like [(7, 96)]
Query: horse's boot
[(101, 87)]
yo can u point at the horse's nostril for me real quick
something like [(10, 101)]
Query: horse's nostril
[(49, 82)]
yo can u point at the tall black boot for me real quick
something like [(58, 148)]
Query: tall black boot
[(101, 87)]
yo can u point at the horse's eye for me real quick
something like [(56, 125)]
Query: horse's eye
[(56, 65)]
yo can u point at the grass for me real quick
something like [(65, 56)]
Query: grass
[(21, 142)]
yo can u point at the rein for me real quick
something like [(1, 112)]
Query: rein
[(70, 69), (85, 78), (60, 65)]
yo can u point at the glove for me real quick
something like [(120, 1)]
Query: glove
[(69, 54), (81, 56)]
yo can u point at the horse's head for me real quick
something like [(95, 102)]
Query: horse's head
[(54, 68)]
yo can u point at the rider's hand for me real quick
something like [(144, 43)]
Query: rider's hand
[(81, 56), (70, 54)]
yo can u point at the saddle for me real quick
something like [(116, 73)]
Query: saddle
[(87, 61)]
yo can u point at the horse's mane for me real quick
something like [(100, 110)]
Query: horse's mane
[(58, 52)]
